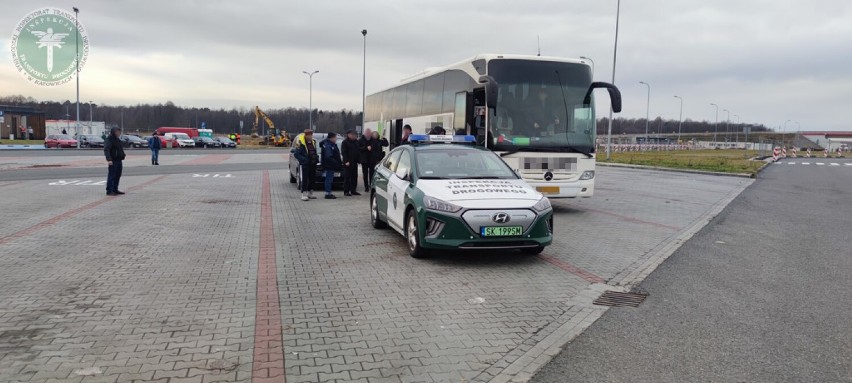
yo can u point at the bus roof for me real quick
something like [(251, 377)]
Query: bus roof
[(466, 65)]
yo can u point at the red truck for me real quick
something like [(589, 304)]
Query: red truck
[(191, 132)]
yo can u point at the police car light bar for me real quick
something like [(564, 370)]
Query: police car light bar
[(441, 138)]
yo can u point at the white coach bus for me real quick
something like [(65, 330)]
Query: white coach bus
[(537, 112)]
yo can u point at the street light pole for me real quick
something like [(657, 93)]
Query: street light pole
[(716, 130), (680, 119), (737, 129), (310, 97), (77, 63), (647, 109), (364, 81), (614, 61), (91, 114), (589, 59)]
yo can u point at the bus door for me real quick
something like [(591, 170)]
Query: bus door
[(463, 116), (394, 133)]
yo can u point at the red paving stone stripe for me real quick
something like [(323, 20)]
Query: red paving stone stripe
[(208, 159), (572, 269), (68, 214), (627, 218), (268, 359)]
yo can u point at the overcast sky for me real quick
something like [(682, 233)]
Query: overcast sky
[(765, 60)]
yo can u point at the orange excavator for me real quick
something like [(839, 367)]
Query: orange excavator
[(279, 138)]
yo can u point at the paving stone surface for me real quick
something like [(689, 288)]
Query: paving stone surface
[(161, 284)]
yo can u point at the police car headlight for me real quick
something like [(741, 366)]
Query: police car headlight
[(587, 175), (542, 205), (438, 205)]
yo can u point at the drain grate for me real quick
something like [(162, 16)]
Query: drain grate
[(620, 299)]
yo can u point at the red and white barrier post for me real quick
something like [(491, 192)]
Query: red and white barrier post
[(825, 153), (784, 152), (809, 152), (795, 152), (775, 153)]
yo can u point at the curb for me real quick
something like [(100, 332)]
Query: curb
[(689, 171)]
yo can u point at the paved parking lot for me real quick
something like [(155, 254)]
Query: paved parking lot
[(235, 279)]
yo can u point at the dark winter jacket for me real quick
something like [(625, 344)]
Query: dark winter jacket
[(305, 152), (350, 151), (154, 143), (363, 153), (331, 159), (377, 154), (113, 150)]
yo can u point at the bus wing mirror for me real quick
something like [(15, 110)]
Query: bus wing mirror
[(614, 95), (491, 90)]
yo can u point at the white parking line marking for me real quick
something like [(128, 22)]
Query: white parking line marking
[(820, 163), (791, 163), (848, 164), (835, 164), (806, 163)]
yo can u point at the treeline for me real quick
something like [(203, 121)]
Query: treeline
[(661, 126), (146, 117)]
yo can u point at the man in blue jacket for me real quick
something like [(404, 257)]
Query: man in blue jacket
[(331, 162), (154, 144), (305, 150)]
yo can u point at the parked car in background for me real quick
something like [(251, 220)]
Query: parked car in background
[(226, 142), (191, 132), (164, 141), (206, 142), (319, 178), (91, 141), (59, 141), (130, 141), (182, 139)]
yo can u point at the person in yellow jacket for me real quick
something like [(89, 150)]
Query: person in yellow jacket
[(306, 151)]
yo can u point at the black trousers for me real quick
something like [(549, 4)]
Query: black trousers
[(113, 176), (309, 172), (350, 178), (367, 170)]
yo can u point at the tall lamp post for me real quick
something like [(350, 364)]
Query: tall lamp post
[(614, 60), (91, 116), (364, 81), (680, 119), (589, 59), (716, 129), (77, 64), (647, 109), (310, 97), (737, 129)]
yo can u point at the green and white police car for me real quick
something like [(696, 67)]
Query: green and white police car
[(442, 193)]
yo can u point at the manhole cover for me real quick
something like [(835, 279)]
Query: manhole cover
[(620, 299)]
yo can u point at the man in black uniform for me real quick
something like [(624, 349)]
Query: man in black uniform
[(350, 153), (114, 153)]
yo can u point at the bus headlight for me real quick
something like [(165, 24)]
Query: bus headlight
[(439, 205), (587, 175), (542, 205)]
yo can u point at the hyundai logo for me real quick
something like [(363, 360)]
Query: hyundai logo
[(501, 218), (548, 176)]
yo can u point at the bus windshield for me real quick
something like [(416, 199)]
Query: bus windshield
[(540, 107)]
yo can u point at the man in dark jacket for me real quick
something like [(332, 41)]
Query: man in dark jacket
[(377, 153), (365, 159), (331, 162), (305, 150), (350, 164), (154, 144), (114, 153)]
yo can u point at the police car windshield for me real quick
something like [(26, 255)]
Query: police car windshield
[(461, 164)]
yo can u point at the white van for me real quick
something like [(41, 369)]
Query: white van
[(182, 139)]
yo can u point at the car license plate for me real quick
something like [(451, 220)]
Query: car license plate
[(501, 231), (548, 189)]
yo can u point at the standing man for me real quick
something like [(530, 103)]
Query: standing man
[(350, 164), (305, 151), (114, 153), (331, 162), (365, 147), (154, 144), (406, 132), (376, 152)]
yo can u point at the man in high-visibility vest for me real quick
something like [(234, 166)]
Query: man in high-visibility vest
[(238, 138), (306, 152)]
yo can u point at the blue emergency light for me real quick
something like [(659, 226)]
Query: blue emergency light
[(440, 138)]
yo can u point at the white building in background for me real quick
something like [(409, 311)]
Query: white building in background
[(70, 126)]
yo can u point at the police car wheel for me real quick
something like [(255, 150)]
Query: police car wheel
[(533, 250), (374, 214), (411, 234)]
